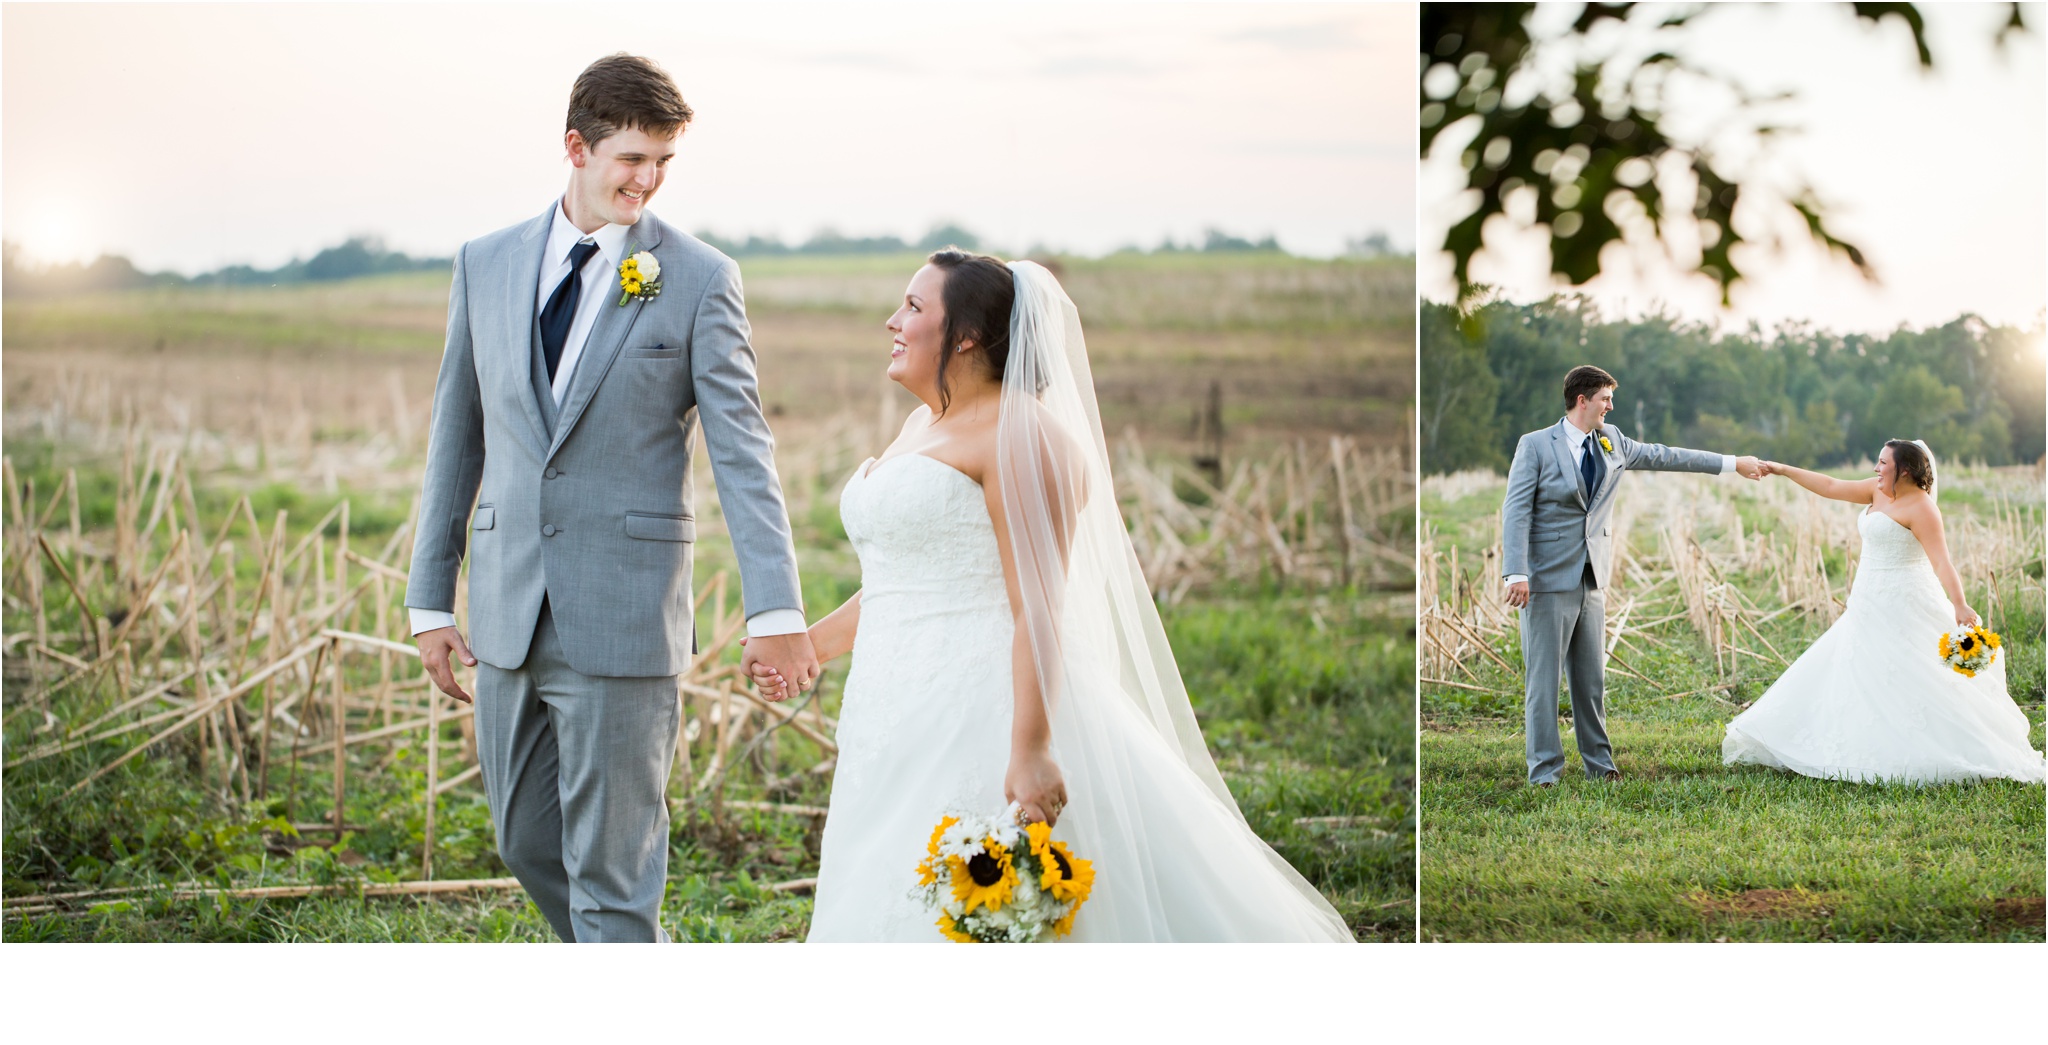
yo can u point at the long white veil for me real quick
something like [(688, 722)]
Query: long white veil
[(1121, 722)]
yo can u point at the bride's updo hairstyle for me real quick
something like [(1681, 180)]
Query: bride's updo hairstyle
[(978, 295), (1912, 462)]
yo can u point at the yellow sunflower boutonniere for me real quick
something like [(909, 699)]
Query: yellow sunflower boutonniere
[(639, 277), (1605, 445)]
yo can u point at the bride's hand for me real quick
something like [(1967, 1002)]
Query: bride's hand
[(1034, 782), (1967, 617)]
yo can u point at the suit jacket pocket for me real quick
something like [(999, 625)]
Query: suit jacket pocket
[(1546, 536), (485, 518), (649, 527), (657, 352)]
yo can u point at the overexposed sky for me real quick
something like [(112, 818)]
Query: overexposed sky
[(189, 137), (1941, 178)]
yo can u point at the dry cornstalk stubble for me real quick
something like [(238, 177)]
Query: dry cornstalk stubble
[(1724, 560)]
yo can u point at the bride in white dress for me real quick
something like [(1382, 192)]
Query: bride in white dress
[(992, 557), (1871, 700)]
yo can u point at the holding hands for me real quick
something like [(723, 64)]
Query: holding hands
[(781, 666), (1751, 468)]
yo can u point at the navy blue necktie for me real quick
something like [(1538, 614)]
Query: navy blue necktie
[(560, 312), (1589, 468)]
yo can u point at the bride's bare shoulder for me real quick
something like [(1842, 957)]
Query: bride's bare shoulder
[(1918, 511)]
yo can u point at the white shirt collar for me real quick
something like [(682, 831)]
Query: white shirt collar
[(1571, 432), (611, 240)]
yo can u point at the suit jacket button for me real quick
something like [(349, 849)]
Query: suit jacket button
[(550, 473), (548, 530)]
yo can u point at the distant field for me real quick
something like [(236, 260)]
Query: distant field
[(1300, 347)]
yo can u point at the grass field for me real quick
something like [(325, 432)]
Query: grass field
[(1685, 848), (226, 405)]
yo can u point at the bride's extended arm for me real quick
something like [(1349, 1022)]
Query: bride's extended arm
[(833, 635), (1856, 491), (1927, 528)]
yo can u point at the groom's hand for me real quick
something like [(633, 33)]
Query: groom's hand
[(436, 647), (1518, 594), (790, 656), (1749, 468)]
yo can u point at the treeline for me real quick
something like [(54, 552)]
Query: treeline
[(1807, 397), (366, 256), (829, 241), (360, 256)]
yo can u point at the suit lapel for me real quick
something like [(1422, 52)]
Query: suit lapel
[(607, 336), (1561, 445), (1611, 470), (519, 290)]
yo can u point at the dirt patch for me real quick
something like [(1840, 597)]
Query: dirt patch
[(1759, 904), (2017, 912)]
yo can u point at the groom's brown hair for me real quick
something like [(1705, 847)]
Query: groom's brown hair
[(1585, 381), (623, 92)]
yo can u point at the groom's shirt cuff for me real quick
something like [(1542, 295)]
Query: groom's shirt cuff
[(776, 622), (428, 620), (1516, 578), (1727, 464)]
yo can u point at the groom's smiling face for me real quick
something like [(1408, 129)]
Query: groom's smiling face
[(613, 180)]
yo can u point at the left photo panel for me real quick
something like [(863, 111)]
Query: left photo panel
[(840, 473)]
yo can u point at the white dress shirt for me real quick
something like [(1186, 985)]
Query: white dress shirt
[(1580, 441), (598, 288)]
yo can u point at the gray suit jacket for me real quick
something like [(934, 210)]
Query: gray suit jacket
[(1548, 529), (590, 506)]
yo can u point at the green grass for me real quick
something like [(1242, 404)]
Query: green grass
[(1685, 848), (1299, 734)]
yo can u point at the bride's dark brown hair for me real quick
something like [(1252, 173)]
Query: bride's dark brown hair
[(978, 296), (1912, 462)]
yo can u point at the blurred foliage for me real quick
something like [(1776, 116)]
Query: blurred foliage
[(1585, 153), (1975, 392)]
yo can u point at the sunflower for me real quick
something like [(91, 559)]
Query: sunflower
[(1066, 923), (1066, 876), (952, 931), (1945, 646), (1991, 639), (986, 879), (931, 848)]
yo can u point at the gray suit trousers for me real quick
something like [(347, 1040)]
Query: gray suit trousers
[(576, 770), (1570, 624)]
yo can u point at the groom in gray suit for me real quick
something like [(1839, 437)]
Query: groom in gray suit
[(1557, 550), (583, 345)]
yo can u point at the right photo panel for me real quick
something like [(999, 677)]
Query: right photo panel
[(1730, 410)]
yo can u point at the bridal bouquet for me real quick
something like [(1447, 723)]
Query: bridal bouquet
[(1970, 650), (995, 882)]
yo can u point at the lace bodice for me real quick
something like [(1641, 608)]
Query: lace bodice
[(921, 529), (1888, 545)]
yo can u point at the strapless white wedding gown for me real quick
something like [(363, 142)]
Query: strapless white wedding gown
[(1871, 700), (924, 730)]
